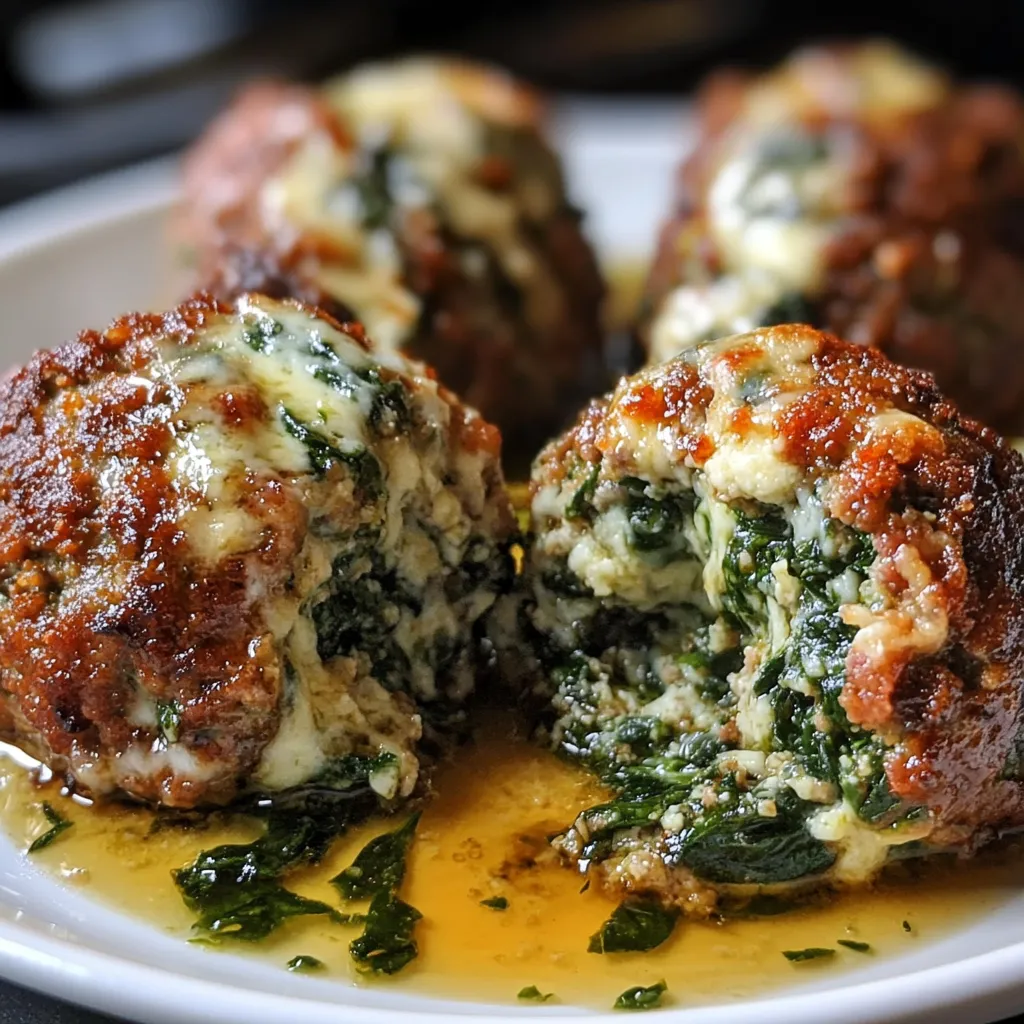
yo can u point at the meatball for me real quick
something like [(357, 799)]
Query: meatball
[(237, 551), (858, 190), (420, 198), (774, 599)]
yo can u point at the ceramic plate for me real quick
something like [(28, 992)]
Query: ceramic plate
[(77, 258)]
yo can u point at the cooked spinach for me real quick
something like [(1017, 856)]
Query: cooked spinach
[(379, 866), (657, 522), (374, 188), (304, 963), (742, 847), (387, 943), (360, 461), (811, 953), (579, 505), (636, 925), (354, 612), (906, 926), (641, 997), (790, 308), (259, 332), (236, 889), (58, 824), (495, 903), (535, 994), (168, 719), (857, 947)]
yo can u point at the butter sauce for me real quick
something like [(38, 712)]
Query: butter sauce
[(484, 836)]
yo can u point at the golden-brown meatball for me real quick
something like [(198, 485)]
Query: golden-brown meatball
[(238, 552), (856, 189), (421, 199), (774, 599)]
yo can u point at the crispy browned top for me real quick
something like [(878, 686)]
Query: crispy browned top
[(101, 598), (942, 498)]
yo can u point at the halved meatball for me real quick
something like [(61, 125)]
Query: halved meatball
[(237, 549), (858, 190), (775, 599), (420, 198)]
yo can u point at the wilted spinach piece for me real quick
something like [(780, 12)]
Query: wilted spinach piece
[(379, 866), (168, 719), (303, 963), (811, 953), (579, 505), (857, 947), (641, 998), (534, 993), (656, 523), (361, 462), (636, 925), (374, 189), (259, 332), (355, 613), (495, 903), (235, 889), (387, 944), (743, 847), (791, 308), (58, 824)]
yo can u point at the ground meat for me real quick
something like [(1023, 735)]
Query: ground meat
[(421, 199), (236, 548), (860, 191), (774, 599)]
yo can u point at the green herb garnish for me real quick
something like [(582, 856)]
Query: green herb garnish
[(857, 947), (387, 944), (636, 925), (304, 963), (58, 824), (236, 889), (811, 953), (641, 998), (495, 903), (168, 719), (379, 866), (534, 993)]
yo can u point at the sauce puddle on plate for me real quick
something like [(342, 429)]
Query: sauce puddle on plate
[(484, 836)]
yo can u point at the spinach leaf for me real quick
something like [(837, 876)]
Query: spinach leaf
[(374, 188), (811, 953), (495, 903), (579, 505), (305, 963), (636, 925), (534, 993), (235, 889), (656, 523), (387, 944), (168, 719), (641, 998), (361, 463), (58, 824), (259, 332), (857, 947), (379, 866), (748, 848)]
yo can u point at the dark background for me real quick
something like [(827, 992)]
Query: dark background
[(86, 85)]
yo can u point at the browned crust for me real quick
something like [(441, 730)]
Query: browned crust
[(154, 619), (520, 377), (955, 494), (929, 265)]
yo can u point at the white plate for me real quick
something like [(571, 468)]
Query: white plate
[(79, 257)]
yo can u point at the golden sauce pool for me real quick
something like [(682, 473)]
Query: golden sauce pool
[(484, 835)]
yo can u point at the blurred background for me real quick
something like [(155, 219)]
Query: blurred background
[(88, 85)]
